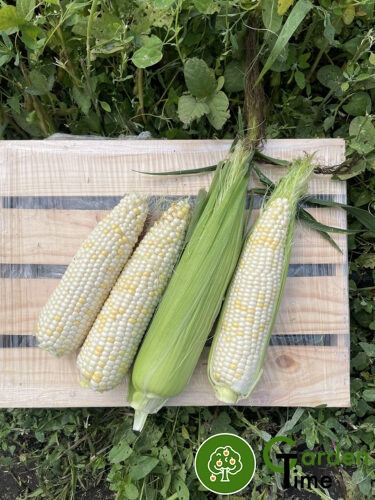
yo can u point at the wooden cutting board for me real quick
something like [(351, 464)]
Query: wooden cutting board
[(54, 192)]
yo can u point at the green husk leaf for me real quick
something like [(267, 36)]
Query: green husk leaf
[(363, 216), (191, 171), (309, 220), (192, 300), (318, 226), (269, 159)]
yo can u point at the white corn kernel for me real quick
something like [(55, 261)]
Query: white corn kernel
[(112, 343), (72, 308)]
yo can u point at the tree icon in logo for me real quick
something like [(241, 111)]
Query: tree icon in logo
[(224, 460), (225, 463)]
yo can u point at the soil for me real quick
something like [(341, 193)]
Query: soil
[(20, 481)]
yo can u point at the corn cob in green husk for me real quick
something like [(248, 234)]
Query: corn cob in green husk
[(246, 321), (111, 345), (67, 317), (192, 300)]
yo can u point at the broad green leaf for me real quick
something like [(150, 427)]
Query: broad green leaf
[(329, 30), (105, 106), (200, 79), (120, 452), (283, 6), (234, 76), (131, 491), (9, 17), (271, 19), (299, 77), (189, 109), (207, 6), (141, 466), (368, 348), (296, 16), (150, 53), (25, 8), (363, 132), (348, 15), (330, 76), (40, 85), (359, 104), (82, 99), (162, 4), (181, 489), (219, 112), (369, 395)]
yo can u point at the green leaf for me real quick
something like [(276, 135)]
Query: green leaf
[(141, 466), (181, 489), (82, 99), (150, 53), (120, 453), (234, 77), (207, 6), (300, 79), (369, 395), (364, 217), (25, 8), (162, 4), (359, 104), (368, 348), (9, 17), (364, 132), (283, 6), (40, 85), (271, 19), (310, 221), (219, 113), (330, 76), (200, 79), (296, 16), (189, 109), (131, 491), (105, 106)]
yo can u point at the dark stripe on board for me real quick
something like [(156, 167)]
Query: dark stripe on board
[(81, 202), (55, 271), (319, 340), (108, 202)]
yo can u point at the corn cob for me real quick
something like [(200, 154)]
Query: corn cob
[(72, 308), (111, 345), (249, 312), (191, 302)]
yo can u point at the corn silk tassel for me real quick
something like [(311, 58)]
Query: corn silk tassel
[(112, 343), (68, 315), (246, 321), (192, 300)]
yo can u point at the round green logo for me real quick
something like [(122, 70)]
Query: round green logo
[(225, 463)]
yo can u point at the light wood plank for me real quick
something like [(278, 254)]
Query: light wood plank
[(48, 236), (112, 167), (293, 376), (310, 305)]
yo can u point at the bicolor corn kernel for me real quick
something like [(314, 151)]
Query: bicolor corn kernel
[(76, 301)]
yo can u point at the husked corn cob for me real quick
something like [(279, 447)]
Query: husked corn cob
[(72, 308), (111, 345), (191, 302), (246, 321)]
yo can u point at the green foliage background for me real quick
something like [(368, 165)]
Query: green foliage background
[(176, 68)]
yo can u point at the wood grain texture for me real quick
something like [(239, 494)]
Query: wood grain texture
[(316, 305)]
